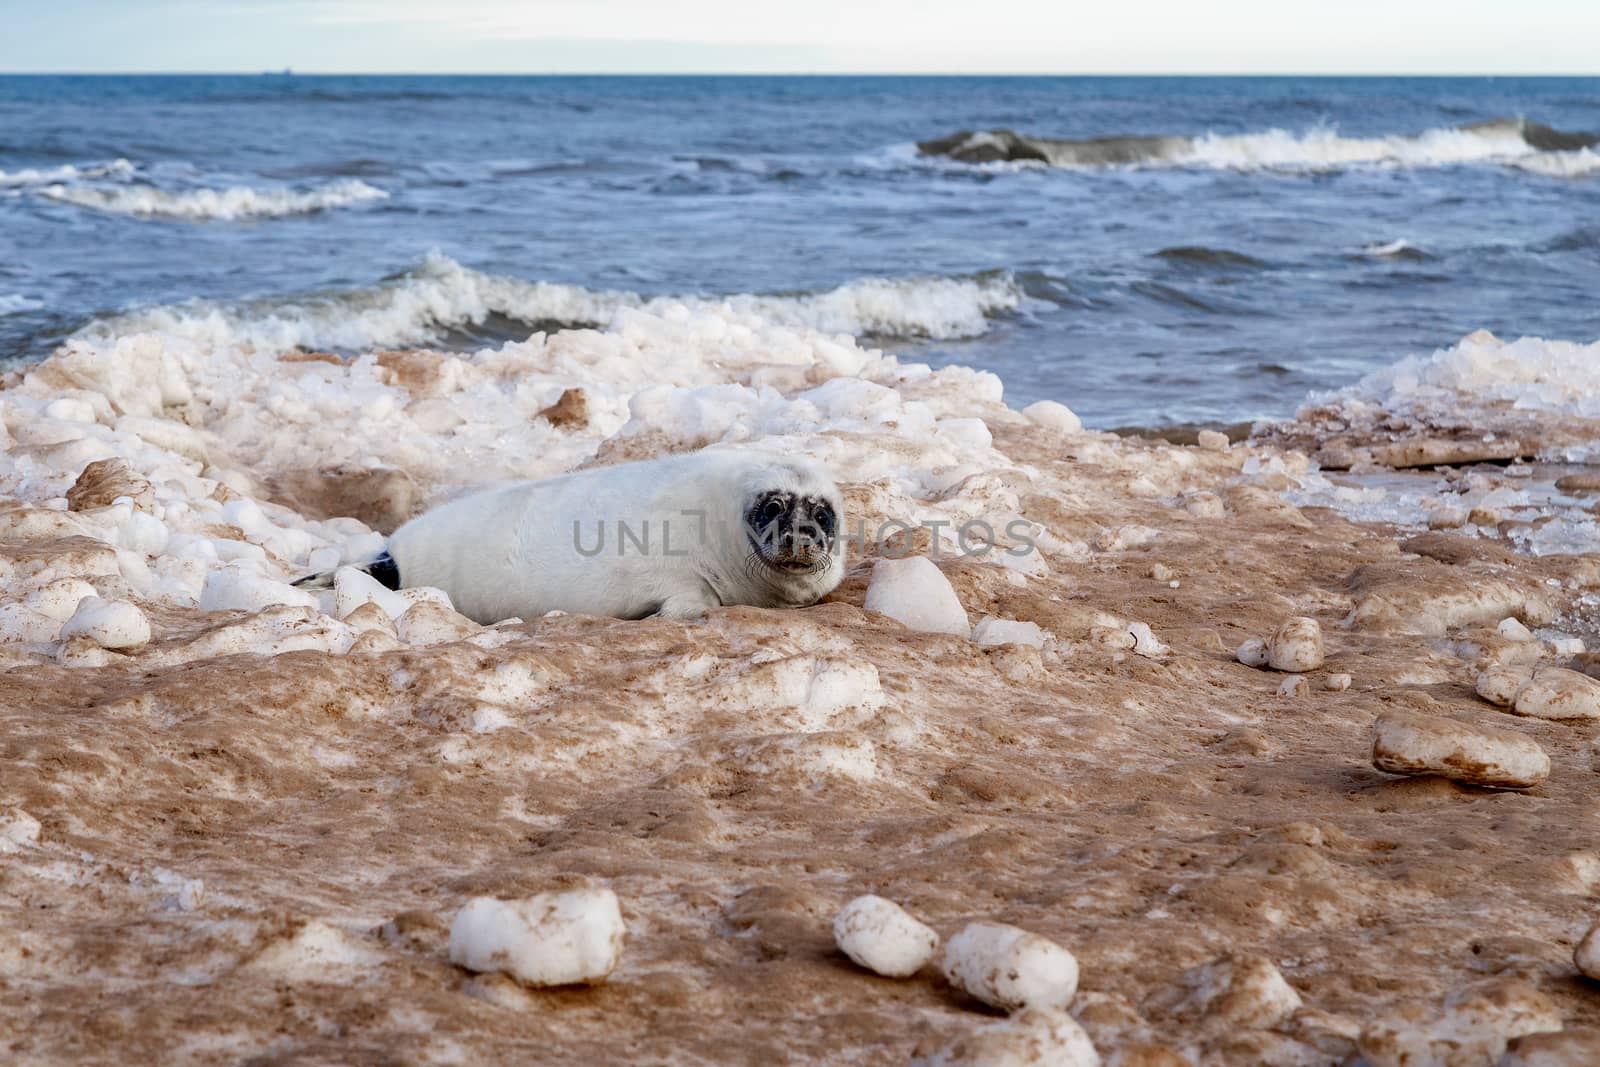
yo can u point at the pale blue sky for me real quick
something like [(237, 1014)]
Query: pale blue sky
[(823, 36)]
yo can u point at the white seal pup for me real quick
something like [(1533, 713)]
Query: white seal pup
[(669, 537)]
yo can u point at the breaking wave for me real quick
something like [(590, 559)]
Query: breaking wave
[(1517, 142), (1561, 164), (424, 305), (224, 205), (12, 303), (117, 168), (1400, 248)]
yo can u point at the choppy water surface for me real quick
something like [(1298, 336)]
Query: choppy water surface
[(1253, 240)]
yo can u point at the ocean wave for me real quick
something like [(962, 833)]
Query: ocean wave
[(13, 303), (1576, 164), (1399, 248), (1582, 239), (1202, 256), (441, 295), (1519, 142), (117, 168), (222, 205)]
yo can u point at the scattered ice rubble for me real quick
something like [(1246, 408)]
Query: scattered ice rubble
[(1482, 373), (1529, 373), (155, 455), (1035, 980), (1002, 966), (1295, 646), (128, 447), (576, 937)]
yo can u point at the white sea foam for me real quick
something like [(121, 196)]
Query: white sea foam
[(893, 307), (12, 303), (441, 294), (117, 168), (1326, 149), (1391, 249), (236, 202), (1511, 142), (1577, 164)]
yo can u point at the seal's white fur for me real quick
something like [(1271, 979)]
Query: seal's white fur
[(526, 549)]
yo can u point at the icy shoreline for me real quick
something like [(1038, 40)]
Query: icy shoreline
[(230, 791)]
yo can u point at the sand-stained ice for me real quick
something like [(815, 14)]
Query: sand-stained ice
[(328, 762), (1558, 693), (1586, 955), (1039, 1037), (1010, 968), (1296, 646), (108, 623), (1407, 742)]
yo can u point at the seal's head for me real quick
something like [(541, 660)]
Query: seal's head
[(793, 519)]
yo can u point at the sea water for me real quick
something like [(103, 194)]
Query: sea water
[(1289, 235)]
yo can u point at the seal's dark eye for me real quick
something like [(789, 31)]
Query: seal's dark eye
[(824, 518), (771, 511)]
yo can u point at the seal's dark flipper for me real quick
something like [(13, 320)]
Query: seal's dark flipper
[(384, 569)]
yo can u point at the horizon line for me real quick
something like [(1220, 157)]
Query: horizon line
[(291, 72)]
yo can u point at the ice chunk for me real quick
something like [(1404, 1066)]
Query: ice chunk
[(1145, 642), (1559, 693), (1499, 685), (1252, 652), (1586, 955), (1239, 990), (1296, 646), (1053, 416), (1010, 968), (237, 587), (427, 622), (108, 623), (917, 593), (1294, 687), (563, 938), (881, 936), (353, 588), (60, 598), (1472, 1026), (313, 950), (1408, 742), (1512, 629), (993, 631), (22, 625), (1039, 1038)]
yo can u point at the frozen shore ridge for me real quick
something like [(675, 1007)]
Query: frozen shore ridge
[(1274, 752)]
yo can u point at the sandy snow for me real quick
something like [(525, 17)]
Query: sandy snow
[(238, 819)]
